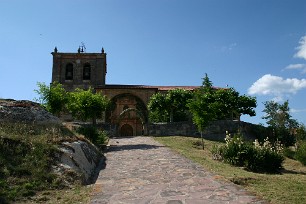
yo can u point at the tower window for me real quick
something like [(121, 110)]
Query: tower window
[(86, 71), (69, 72)]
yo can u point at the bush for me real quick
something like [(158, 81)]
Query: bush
[(300, 154), (258, 157), (234, 151), (96, 136), (263, 159)]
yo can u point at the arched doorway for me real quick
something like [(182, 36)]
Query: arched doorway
[(128, 109), (126, 130)]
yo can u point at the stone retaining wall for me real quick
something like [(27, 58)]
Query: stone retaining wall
[(215, 131)]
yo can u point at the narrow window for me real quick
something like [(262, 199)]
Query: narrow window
[(86, 72), (69, 72)]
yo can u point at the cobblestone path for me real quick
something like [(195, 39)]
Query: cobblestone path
[(140, 170)]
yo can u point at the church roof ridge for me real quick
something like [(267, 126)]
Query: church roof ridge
[(161, 88)]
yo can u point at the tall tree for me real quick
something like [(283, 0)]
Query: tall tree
[(207, 85), (158, 108), (84, 104), (280, 121), (209, 104), (53, 97), (230, 104), (177, 100), (168, 106)]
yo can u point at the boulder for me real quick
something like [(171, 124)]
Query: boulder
[(25, 112), (76, 160), (80, 157)]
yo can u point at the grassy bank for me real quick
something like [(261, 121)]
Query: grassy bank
[(27, 153), (287, 187), (77, 194)]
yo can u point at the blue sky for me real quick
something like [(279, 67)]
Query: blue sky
[(256, 46)]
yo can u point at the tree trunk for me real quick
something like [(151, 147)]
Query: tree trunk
[(202, 139), (94, 121)]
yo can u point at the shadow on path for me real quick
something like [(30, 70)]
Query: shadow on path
[(95, 174), (114, 148), (141, 170)]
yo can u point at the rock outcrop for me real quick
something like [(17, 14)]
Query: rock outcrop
[(80, 157), (76, 158), (25, 112)]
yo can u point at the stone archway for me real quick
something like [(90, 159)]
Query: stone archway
[(126, 130), (131, 110)]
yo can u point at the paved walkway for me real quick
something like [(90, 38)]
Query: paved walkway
[(140, 170)]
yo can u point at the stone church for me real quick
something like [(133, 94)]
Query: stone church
[(129, 113)]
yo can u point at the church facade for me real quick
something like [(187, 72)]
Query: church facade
[(128, 111)]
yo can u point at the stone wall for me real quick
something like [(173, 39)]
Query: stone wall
[(97, 62), (215, 131)]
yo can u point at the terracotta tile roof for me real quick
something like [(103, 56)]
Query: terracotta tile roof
[(168, 88), (160, 88)]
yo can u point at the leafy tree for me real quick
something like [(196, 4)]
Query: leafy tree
[(53, 97), (301, 132), (229, 104), (84, 104), (157, 108), (202, 106), (207, 84), (209, 104), (246, 105), (177, 101), (172, 105), (280, 121), (215, 104)]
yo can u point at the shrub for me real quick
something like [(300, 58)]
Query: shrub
[(235, 150), (263, 157), (300, 154), (96, 136), (102, 137), (217, 152)]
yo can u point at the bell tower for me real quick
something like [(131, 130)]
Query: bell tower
[(80, 69)]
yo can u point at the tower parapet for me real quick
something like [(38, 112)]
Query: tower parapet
[(79, 70)]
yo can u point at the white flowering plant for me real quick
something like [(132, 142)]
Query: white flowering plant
[(258, 157)]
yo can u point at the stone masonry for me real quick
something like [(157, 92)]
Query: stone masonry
[(141, 170)]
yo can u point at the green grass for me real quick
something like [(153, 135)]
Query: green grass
[(287, 187), (26, 155), (78, 194)]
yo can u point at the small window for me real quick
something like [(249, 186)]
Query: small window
[(86, 72), (69, 72)]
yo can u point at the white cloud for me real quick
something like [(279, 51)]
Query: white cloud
[(278, 98), (276, 86), (296, 66), (301, 67), (301, 49), (229, 47), (297, 110)]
